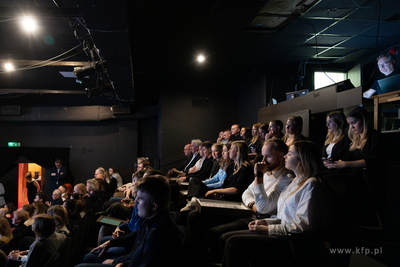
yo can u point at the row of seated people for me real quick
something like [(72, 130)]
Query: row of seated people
[(17, 226), (347, 151), (287, 197)]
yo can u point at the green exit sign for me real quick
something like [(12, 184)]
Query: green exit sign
[(13, 144)]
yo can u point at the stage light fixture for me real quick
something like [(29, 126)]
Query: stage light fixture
[(201, 58), (8, 66), (29, 24), (82, 72)]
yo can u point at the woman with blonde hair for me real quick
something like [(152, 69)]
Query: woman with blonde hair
[(5, 231), (294, 127), (255, 142), (365, 141), (337, 142), (60, 215), (238, 175), (297, 214)]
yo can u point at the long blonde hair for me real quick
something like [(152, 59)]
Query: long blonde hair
[(341, 130), (358, 141), (311, 164), (255, 137), (298, 122), (242, 155)]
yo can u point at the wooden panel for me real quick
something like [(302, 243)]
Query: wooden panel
[(305, 114), (349, 98)]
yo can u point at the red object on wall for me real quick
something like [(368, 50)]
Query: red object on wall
[(393, 51)]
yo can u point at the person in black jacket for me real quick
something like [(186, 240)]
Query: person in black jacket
[(337, 142), (58, 175), (158, 239)]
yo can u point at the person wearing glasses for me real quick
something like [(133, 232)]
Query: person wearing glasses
[(387, 67)]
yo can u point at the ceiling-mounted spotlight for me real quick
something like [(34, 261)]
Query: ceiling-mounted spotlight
[(82, 72), (8, 66), (29, 24), (201, 58)]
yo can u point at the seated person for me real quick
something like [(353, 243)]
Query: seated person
[(198, 188), (80, 205), (60, 216), (262, 195), (20, 216), (235, 133), (42, 197), (92, 188), (220, 138), (202, 168), (297, 214), (274, 130), (30, 209), (294, 127), (39, 208), (155, 231), (254, 144), (337, 142), (46, 244), (81, 190), (387, 68), (245, 133), (73, 215), (56, 196), (5, 231), (114, 174), (64, 193), (239, 175)]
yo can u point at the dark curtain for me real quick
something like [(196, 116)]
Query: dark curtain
[(42, 156)]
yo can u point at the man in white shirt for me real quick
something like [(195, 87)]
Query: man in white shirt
[(262, 195)]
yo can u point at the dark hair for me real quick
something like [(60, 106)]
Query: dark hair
[(207, 144), (157, 187), (65, 187), (278, 123), (114, 169), (11, 207), (264, 127), (278, 144), (43, 225), (58, 161), (138, 174), (29, 208), (357, 140), (42, 196)]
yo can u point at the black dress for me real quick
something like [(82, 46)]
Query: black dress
[(31, 191)]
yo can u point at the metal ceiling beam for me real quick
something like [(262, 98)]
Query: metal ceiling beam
[(48, 12), (41, 91), (38, 63)]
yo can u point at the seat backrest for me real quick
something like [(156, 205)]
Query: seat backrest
[(54, 260), (64, 251)]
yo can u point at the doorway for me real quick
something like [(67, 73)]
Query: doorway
[(38, 173)]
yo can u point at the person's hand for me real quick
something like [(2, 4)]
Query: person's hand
[(180, 175), (119, 265), (258, 222), (261, 167), (268, 136), (212, 194), (260, 229), (340, 164), (108, 261), (14, 255), (25, 252), (253, 150), (117, 233), (47, 203), (102, 248), (182, 179)]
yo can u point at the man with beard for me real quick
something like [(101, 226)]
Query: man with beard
[(271, 178)]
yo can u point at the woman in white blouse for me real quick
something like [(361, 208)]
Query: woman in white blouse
[(295, 209)]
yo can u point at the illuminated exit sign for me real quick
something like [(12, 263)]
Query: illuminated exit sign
[(13, 144)]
